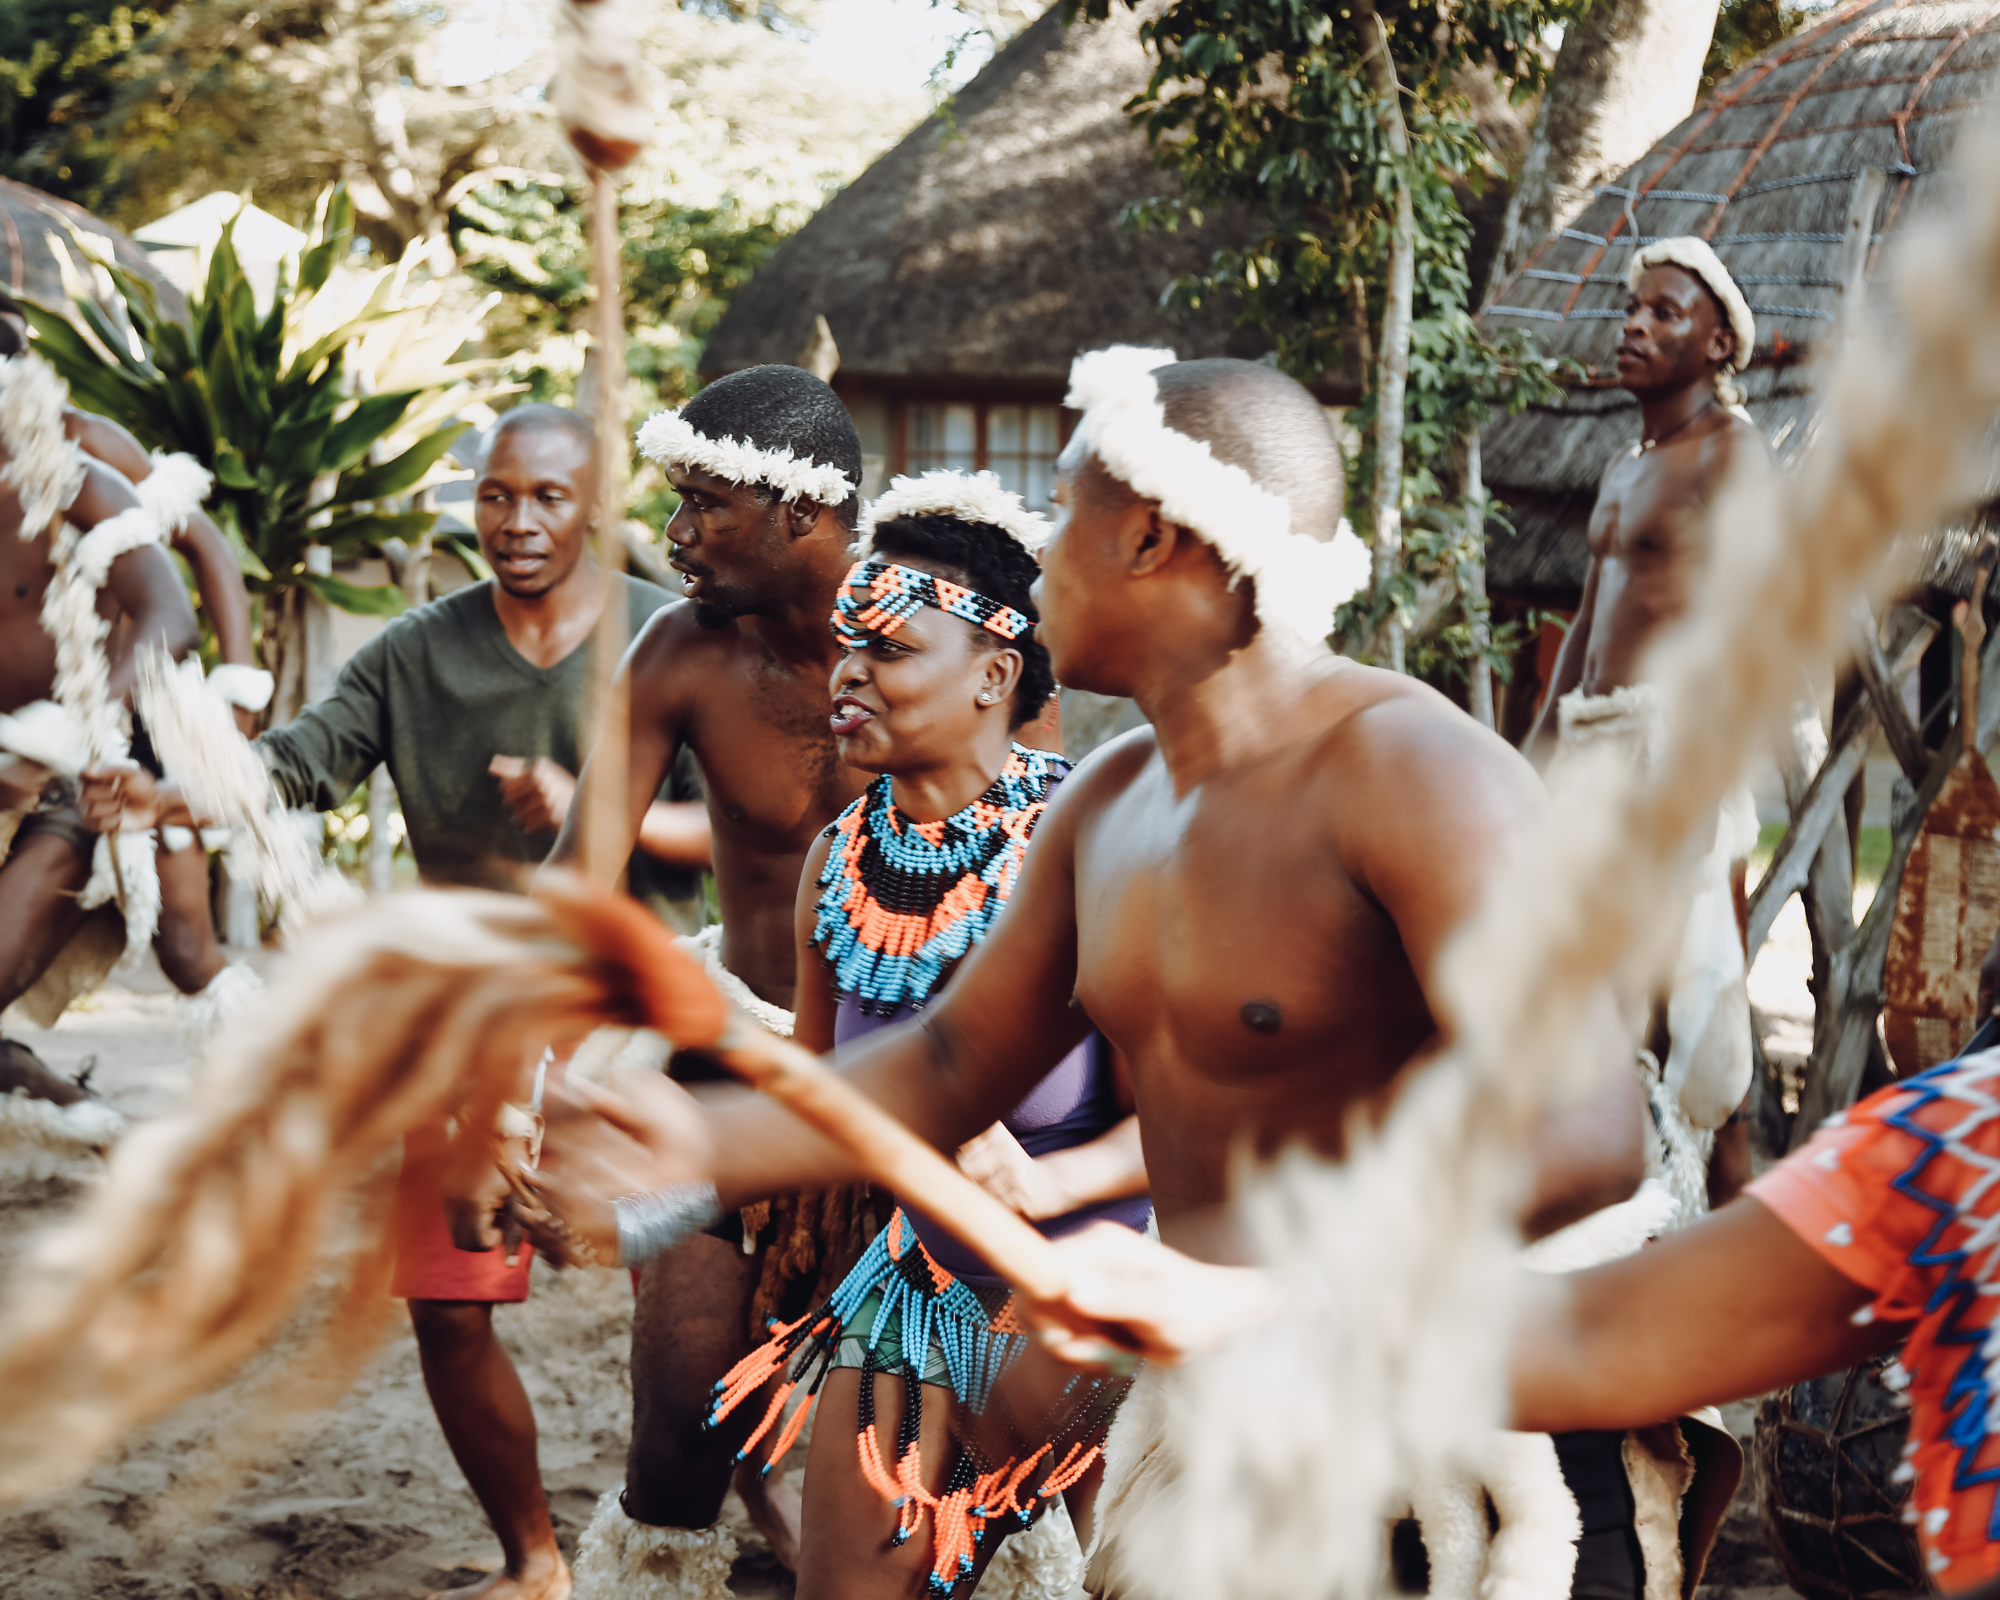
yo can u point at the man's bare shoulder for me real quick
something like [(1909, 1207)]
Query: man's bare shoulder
[(1109, 769), (1400, 742), (672, 640), (1736, 438)]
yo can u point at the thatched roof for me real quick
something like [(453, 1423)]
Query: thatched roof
[(28, 269), (1766, 169), (984, 249)]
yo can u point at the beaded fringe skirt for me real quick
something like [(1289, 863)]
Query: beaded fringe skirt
[(898, 1312)]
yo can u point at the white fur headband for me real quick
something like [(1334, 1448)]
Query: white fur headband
[(1299, 579), (1694, 255), (969, 496), (668, 438)]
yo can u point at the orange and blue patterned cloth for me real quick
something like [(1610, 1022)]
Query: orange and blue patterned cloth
[(1902, 1195), (899, 1312)]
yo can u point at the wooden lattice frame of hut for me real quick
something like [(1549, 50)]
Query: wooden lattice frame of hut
[(961, 273), (1798, 170)]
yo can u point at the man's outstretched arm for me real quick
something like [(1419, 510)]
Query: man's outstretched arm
[(1736, 1305), (1004, 1022)]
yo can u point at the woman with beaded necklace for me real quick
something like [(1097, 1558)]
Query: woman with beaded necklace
[(942, 667)]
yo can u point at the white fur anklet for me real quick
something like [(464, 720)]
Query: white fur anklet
[(82, 1129), (619, 1559), (204, 1014)]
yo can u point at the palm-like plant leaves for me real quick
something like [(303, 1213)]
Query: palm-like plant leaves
[(269, 403)]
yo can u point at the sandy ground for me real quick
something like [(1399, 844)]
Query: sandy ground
[(362, 1501)]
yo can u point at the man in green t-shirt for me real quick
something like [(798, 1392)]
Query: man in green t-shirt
[(478, 706)]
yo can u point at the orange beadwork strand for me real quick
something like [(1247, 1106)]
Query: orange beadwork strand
[(932, 1307)]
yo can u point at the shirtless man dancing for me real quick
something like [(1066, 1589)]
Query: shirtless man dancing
[(49, 862), (1687, 332), (172, 487), (1246, 897), (768, 468)]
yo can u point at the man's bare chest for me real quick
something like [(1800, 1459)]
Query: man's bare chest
[(1230, 941), (1647, 514), (27, 654), (770, 768)]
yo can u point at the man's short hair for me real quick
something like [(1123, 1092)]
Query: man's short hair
[(783, 408), (1254, 417), (539, 416)]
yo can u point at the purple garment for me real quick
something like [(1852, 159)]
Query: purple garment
[(1073, 1105)]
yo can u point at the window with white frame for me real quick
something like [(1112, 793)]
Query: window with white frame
[(1017, 443)]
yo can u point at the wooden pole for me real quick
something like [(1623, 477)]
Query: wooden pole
[(607, 822)]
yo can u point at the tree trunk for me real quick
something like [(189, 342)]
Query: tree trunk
[(1625, 75), (1392, 366), (283, 649), (1472, 482)]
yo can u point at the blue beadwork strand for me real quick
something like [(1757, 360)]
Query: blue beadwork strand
[(883, 863)]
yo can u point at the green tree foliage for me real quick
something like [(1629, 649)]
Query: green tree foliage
[(432, 116), (1745, 29), (1458, 382), (681, 265), (59, 74), (1265, 106)]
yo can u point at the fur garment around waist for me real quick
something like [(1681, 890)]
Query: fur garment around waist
[(706, 947), (1707, 1070), (1632, 721)]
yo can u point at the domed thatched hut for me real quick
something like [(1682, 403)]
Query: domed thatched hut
[(28, 268), (1797, 169), (963, 270)]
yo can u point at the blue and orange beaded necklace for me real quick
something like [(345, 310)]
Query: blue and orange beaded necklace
[(900, 901)]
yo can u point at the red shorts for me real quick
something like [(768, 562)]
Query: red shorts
[(428, 1265)]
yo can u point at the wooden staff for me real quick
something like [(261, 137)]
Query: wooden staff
[(599, 93), (893, 1156), (607, 821), (650, 978)]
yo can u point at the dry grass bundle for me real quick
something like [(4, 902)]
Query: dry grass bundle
[(211, 1223)]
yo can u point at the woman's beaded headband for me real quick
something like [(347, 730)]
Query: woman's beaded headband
[(880, 596)]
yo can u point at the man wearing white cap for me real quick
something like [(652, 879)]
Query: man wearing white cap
[(1688, 333)]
